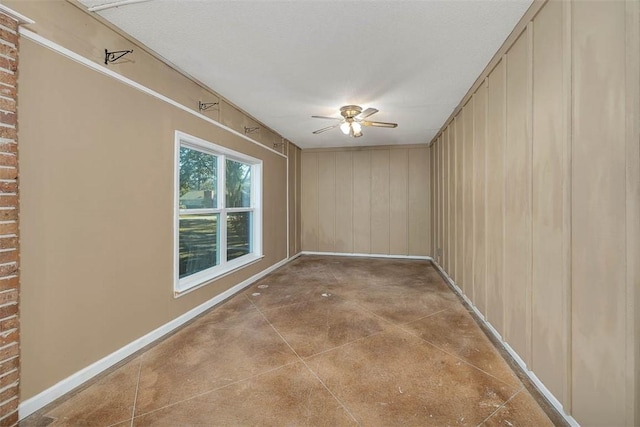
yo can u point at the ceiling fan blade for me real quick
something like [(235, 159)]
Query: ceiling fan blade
[(328, 118), (327, 128), (366, 113), (380, 124)]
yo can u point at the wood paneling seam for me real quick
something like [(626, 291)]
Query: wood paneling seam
[(335, 200), (504, 190), (317, 160), (484, 197), (567, 69), (529, 123), (632, 211)]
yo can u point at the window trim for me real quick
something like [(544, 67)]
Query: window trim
[(197, 280)]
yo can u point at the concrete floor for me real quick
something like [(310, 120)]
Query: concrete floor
[(323, 341)]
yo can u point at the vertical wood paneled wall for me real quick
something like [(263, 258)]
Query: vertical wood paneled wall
[(371, 200), (294, 154), (535, 195)]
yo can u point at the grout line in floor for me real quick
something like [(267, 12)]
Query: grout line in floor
[(135, 398), (309, 368), (424, 317), (217, 389), (345, 344), (463, 360), (348, 300), (500, 407)]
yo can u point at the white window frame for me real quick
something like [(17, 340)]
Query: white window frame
[(202, 278)]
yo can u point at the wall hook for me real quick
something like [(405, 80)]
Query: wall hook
[(248, 130), (204, 106), (115, 55)]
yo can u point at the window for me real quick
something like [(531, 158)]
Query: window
[(218, 218)]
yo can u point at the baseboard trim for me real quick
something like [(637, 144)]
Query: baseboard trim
[(360, 255), (63, 387), (532, 376)]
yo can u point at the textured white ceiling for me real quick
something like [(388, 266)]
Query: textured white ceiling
[(283, 61)]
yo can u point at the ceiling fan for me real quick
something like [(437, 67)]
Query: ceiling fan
[(353, 120)]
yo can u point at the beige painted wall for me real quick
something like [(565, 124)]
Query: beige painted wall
[(96, 197), (372, 200), (66, 23), (547, 153)]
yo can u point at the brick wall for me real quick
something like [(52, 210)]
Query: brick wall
[(9, 280)]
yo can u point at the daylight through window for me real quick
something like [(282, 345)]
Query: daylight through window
[(218, 211)]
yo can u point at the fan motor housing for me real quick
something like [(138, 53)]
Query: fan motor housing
[(350, 111)]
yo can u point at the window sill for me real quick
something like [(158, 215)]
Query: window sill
[(198, 280)]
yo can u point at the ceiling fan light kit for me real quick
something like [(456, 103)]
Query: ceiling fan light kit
[(353, 120)]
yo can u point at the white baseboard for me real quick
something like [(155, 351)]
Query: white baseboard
[(42, 399), (541, 387), (366, 255)]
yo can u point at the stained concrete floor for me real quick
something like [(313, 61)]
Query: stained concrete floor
[(323, 341)]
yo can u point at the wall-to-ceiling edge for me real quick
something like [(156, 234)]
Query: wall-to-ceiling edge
[(535, 204), (96, 194)]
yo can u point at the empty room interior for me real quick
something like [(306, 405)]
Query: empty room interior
[(380, 213)]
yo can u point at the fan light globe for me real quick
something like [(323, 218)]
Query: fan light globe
[(357, 128), (345, 128)]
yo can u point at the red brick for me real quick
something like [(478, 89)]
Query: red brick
[(8, 173), (7, 283), (9, 379), (8, 186), (9, 406), (10, 392), (5, 271), (7, 78), (12, 336), (10, 295), (8, 64), (8, 228), (8, 147), (8, 133), (7, 104), (11, 255), (8, 36), (8, 214), (7, 200), (9, 352), (8, 160), (8, 324), (8, 91), (10, 420), (7, 118), (8, 242), (9, 22), (8, 311), (8, 366), (9, 51)]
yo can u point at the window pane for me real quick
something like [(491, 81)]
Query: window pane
[(198, 179), (238, 234), (238, 181), (198, 243)]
